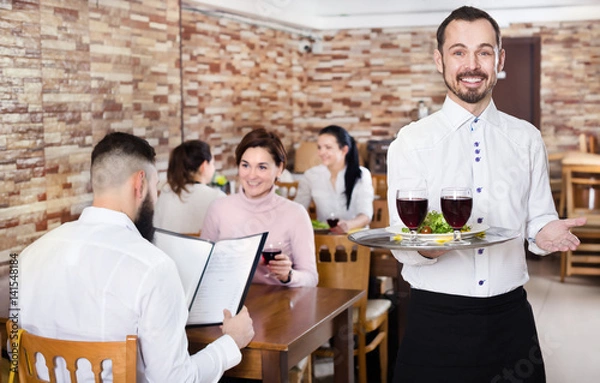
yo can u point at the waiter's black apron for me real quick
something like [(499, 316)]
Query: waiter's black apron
[(451, 338)]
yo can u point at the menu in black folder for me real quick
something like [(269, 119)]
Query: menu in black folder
[(215, 276)]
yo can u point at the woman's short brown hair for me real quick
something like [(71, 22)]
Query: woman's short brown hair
[(261, 138)]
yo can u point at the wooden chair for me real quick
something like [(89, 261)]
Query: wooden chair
[(287, 189), (569, 160), (363, 153), (381, 214), (381, 219), (302, 372), (306, 157), (585, 156), (582, 194), (587, 143), (344, 264), (380, 185), (123, 355), (556, 181)]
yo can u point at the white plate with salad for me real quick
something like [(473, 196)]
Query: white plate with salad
[(435, 228), (475, 229)]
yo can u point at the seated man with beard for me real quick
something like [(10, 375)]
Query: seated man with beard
[(100, 278)]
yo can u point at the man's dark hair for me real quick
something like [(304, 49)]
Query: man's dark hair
[(117, 156), (466, 13)]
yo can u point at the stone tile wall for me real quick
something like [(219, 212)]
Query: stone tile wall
[(237, 77), (570, 84), (71, 70), (369, 81)]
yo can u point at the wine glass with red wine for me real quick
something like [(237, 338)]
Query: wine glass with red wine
[(457, 204), (332, 220), (269, 252), (412, 209)]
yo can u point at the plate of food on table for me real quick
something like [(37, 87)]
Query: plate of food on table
[(320, 227)]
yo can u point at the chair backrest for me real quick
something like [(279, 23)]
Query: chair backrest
[(307, 156), (122, 354), (381, 214), (342, 264), (583, 192), (587, 143), (363, 153), (380, 185), (287, 189), (556, 181)]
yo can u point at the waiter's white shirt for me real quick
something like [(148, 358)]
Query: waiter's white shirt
[(98, 279), (503, 159), (315, 184)]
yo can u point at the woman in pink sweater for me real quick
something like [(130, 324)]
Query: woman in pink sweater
[(261, 158)]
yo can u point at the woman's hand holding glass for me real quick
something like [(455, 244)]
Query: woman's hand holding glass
[(280, 267), (341, 227), (278, 263)]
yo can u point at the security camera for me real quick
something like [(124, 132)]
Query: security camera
[(305, 47)]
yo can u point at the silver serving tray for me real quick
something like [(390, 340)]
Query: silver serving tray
[(384, 239)]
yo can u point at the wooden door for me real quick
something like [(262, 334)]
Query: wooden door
[(518, 89)]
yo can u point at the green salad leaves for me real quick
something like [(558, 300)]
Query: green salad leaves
[(318, 225), (434, 223)]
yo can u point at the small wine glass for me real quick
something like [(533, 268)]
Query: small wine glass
[(269, 252), (332, 220), (412, 209), (457, 204)]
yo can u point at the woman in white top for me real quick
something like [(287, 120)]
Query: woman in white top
[(348, 196), (183, 201)]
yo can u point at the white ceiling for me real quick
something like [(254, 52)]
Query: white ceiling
[(352, 14)]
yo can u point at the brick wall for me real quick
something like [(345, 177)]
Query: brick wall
[(69, 72), (72, 70), (367, 80), (237, 77)]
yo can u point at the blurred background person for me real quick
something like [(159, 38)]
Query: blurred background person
[(348, 196), (183, 201), (256, 208)]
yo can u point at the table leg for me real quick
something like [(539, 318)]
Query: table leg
[(274, 366), (343, 350)]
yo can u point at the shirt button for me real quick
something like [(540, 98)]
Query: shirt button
[(476, 144), (477, 159), (480, 220), (481, 282), (480, 251), (477, 151), (479, 190)]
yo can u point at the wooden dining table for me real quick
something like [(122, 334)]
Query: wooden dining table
[(289, 324)]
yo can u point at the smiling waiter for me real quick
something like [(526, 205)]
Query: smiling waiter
[(468, 318)]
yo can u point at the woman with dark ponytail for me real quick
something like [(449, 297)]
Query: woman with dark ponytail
[(339, 187), (183, 201)]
